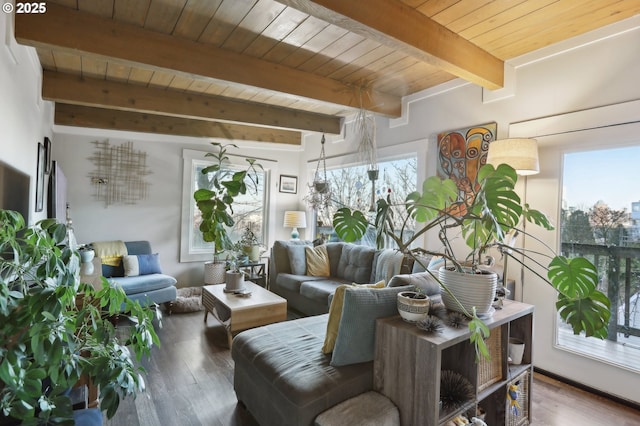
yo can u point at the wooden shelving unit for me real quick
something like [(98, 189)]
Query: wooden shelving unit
[(409, 362)]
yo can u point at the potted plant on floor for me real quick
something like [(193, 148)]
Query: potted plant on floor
[(486, 219), (218, 187), (55, 330)]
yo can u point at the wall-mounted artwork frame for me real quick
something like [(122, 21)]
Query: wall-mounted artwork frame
[(461, 153), (40, 178), (288, 184), (47, 155)]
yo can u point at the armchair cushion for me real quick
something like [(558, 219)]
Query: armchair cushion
[(141, 264)]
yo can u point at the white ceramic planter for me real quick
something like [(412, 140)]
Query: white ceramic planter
[(214, 272), (413, 306), (471, 290), (234, 280)]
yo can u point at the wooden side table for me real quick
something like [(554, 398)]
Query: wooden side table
[(238, 313)]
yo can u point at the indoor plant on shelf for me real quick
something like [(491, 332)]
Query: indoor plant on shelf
[(250, 244), (487, 220), (219, 185), (55, 330)]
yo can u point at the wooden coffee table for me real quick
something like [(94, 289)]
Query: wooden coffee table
[(238, 313)]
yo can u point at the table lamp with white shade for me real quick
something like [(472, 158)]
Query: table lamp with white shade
[(295, 220)]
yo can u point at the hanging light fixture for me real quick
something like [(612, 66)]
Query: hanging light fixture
[(519, 153), (319, 194)]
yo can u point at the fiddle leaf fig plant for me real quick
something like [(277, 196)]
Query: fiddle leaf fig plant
[(486, 218), (55, 330), (219, 185)]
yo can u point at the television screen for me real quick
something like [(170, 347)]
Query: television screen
[(57, 197), (14, 190)]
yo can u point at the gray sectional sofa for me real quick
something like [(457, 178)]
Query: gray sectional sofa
[(349, 263), (281, 374)]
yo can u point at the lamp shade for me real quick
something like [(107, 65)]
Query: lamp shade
[(519, 153), (295, 220)]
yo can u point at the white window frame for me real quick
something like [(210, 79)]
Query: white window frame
[(190, 160)]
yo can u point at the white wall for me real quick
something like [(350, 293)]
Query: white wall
[(158, 217), (24, 118)]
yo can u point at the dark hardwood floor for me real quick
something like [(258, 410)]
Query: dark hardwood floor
[(190, 382)]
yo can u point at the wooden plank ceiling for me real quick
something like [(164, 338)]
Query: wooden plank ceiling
[(267, 70)]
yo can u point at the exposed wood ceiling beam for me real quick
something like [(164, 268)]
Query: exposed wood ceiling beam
[(77, 31), (76, 90), (396, 25), (101, 118)]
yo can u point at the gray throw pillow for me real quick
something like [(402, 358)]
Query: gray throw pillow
[(297, 259), (357, 330)]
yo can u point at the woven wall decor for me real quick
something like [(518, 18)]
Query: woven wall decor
[(120, 173)]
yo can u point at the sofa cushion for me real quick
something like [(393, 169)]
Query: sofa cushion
[(357, 329), (297, 259), (334, 250), (143, 283), (422, 280), (141, 264), (320, 290), (317, 261), (335, 313), (293, 282), (356, 263)]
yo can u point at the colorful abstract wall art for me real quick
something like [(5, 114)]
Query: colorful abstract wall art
[(461, 153)]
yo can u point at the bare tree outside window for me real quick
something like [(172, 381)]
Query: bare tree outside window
[(351, 187)]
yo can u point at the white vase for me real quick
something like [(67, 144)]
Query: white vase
[(470, 289), (234, 280), (214, 272), (413, 306)]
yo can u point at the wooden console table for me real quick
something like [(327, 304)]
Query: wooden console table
[(409, 362)]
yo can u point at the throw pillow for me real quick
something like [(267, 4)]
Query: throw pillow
[(317, 261), (141, 264), (357, 329), (297, 259), (335, 313)]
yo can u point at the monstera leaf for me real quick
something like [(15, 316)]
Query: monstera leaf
[(589, 315), (500, 200), (436, 196), (350, 226), (574, 278)]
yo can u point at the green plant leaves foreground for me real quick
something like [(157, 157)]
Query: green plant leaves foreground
[(580, 304)]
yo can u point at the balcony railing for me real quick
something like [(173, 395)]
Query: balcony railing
[(619, 280)]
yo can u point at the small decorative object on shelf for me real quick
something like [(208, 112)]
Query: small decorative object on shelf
[(456, 319), (455, 390), (430, 324), (413, 306)]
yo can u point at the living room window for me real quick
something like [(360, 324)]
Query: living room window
[(351, 187), (249, 210), (599, 220)]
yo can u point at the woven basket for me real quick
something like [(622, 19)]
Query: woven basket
[(523, 401), (490, 370)]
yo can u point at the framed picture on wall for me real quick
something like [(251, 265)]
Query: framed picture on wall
[(40, 178), (289, 184), (47, 155)]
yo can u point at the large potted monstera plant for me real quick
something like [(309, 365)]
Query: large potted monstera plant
[(55, 330), (218, 186), (487, 220)]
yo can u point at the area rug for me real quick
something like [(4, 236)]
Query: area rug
[(189, 300)]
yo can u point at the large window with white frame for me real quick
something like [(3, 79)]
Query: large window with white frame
[(351, 187), (599, 220), (249, 210)]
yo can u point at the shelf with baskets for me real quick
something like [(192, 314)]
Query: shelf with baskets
[(409, 365)]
